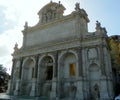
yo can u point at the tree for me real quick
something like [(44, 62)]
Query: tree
[(4, 77), (3, 69)]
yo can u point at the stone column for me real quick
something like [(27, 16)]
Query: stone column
[(33, 89), (56, 64), (79, 94), (80, 69), (17, 88), (36, 66), (10, 84), (102, 63), (34, 80), (20, 70), (53, 92), (54, 80), (59, 80), (85, 77), (79, 82), (104, 89), (18, 81)]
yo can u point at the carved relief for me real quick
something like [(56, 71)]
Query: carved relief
[(96, 92), (51, 12), (17, 64), (100, 29), (92, 53), (16, 48)]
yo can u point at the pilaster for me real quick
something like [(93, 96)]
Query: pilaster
[(54, 87), (103, 89), (36, 66), (20, 68), (9, 85), (33, 89), (10, 88), (55, 74), (102, 63), (80, 65), (17, 88), (79, 95)]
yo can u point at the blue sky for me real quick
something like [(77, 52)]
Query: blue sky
[(14, 13), (107, 12)]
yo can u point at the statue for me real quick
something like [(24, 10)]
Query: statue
[(96, 92), (44, 18), (73, 90), (49, 15), (16, 47), (26, 25), (100, 29), (98, 25), (77, 6)]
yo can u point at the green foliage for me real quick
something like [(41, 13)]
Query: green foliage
[(2, 68), (4, 77)]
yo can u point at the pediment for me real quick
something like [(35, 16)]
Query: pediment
[(50, 12)]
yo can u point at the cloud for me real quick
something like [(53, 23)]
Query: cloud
[(14, 13), (6, 61), (4, 51), (6, 21)]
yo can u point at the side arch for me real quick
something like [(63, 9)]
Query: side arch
[(69, 51), (68, 66), (28, 68)]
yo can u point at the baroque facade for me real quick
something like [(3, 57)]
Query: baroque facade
[(59, 58)]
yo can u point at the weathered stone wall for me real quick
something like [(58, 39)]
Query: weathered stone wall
[(51, 32)]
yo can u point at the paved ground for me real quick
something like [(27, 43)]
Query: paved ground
[(3, 96)]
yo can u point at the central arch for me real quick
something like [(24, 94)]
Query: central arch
[(45, 76)]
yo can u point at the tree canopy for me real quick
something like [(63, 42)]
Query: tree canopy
[(4, 77)]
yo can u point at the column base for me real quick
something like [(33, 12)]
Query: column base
[(33, 91), (9, 89), (79, 95), (16, 92)]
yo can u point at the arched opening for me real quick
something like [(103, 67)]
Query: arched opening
[(16, 74), (28, 71), (27, 75), (68, 65), (67, 73), (45, 76), (46, 68)]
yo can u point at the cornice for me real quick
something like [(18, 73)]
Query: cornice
[(71, 42), (47, 48), (94, 35)]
